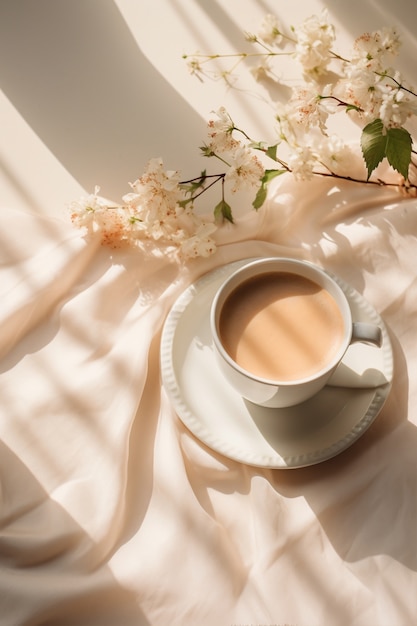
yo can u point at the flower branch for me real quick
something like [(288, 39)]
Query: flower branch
[(159, 210)]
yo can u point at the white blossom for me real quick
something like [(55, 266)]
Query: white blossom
[(301, 162), (335, 154), (156, 198), (270, 30), (221, 143), (395, 109), (201, 243), (315, 38), (220, 135), (359, 89), (377, 96), (156, 179), (224, 123), (396, 106), (82, 211), (245, 169), (305, 108), (96, 216), (372, 49)]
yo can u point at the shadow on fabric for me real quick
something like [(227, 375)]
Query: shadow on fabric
[(75, 73), (37, 536)]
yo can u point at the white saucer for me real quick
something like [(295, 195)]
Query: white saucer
[(308, 433)]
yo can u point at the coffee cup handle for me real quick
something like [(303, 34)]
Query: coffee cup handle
[(366, 333)]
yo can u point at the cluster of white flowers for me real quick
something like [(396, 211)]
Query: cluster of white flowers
[(244, 169), (94, 215), (270, 31), (303, 127), (365, 86), (313, 49), (160, 206), (154, 211), (372, 85), (372, 50), (220, 133)]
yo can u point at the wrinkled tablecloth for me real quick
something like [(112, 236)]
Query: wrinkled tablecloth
[(113, 513)]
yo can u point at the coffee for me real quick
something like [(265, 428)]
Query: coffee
[(281, 326)]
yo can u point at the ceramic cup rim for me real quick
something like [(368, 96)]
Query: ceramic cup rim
[(266, 266)]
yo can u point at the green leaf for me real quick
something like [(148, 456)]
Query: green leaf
[(184, 202), (398, 150), (352, 107), (272, 152), (260, 197), (207, 151), (263, 189), (373, 143), (379, 142), (198, 182), (223, 211)]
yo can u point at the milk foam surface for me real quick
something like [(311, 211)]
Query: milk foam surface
[(281, 326)]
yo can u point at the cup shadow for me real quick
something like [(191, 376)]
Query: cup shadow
[(374, 512)]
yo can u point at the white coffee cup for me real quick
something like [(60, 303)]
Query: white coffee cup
[(280, 328)]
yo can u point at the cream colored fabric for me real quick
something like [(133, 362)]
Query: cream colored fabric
[(112, 513)]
